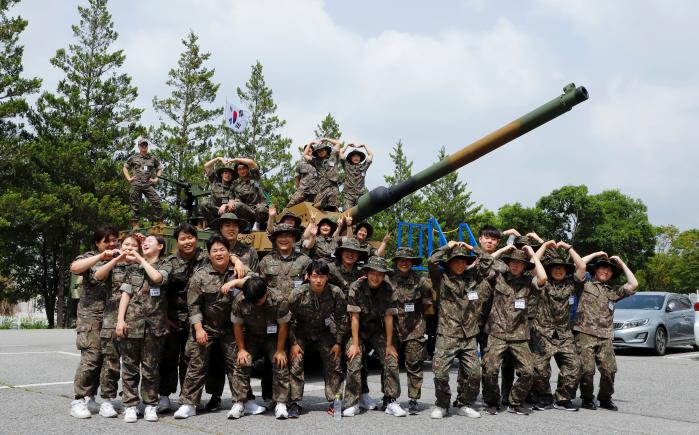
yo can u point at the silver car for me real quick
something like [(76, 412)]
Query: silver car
[(654, 320)]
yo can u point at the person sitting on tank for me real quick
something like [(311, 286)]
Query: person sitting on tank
[(290, 218), (355, 163), (249, 200), (325, 236), (221, 187), (305, 180), (325, 157), (363, 232)]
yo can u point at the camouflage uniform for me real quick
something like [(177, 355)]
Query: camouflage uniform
[(308, 183), (414, 294), (247, 254), (324, 248), (354, 182), (144, 168), (342, 277), (250, 202), (221, 192), (284, 274), (260, 324), (459, 319), (328, 180), (141, 348), (111, 365), (208, 306), (593, 336), (372, 306), (318, 321), (174, 358), (90, 315), (509, 331)]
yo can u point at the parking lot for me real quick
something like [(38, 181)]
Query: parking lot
[(654, 395)]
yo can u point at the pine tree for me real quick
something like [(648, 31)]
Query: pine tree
[(262, 141), (73, 183), (187, 126), (328, 127)]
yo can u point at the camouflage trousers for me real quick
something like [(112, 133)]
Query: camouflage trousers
[(595, 350), (328, 197), (266, 345), (87, 376), (111, 364), (415, 355), (564, 353), (332, 369), (252, 213), (299, 196), (209, 210), (139, 189), (216, 376), (140, 359), (174, 361), (350, 199), (390, 383), (468, 380), (199, 359), (523, 362)]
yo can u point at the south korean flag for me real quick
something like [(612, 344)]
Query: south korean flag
[(236, 118)]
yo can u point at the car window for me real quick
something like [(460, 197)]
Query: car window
[(641, 302), (683, 304)]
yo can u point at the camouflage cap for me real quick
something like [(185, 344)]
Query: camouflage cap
[(224, 168), (459, 251), (285, 228), (367, 225), (288, 213), (351, 244), (519, 255), (557, 260), (228, 217), (378, 264), (408, 254), (361, 155), (319, 146), (604, 261), (330, 221), (142, 139), (522, 241)]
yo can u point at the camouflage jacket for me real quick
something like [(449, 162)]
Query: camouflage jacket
[(176, 292), (370, 249), (460, 303), (324, 248), (94, 294), (258, 321), (372, 305), (111, 307), (595, 312), (328, 170), (148, 305), (247, 255), (284, 274), (354, 177), (206, 304), (508, 319), (143, 167), (314, 314), (344, 278), (249, 191), (308, 177), (553, 308), (414, 294), (220, 192)]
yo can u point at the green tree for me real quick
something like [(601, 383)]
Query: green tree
[(261, 140), (187, 128), (568, 210), (521, 218), (675, 265), (72, 181), (328, 127)]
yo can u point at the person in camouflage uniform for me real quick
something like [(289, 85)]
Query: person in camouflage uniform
[(458, 325), (363, 232), (372, 305), (113, 273), (325, 158), (183, 263), (551, 330), (414, 294), (325, 238), (318, 321), (261, 324), (509, 330), (146, 169), (249, 200), (221, 187), (346, 268), (593, 327), (141, 325), (306, 180), (284, 267), (90, 316), (209, 294), (355, 164)]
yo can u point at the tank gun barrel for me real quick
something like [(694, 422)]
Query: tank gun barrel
[(383, 197)]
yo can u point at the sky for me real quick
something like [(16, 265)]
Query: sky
[(444, 73)]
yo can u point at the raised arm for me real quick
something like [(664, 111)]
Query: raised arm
[(250, 163), (369, 153), (538, 267), (631, 282), (580, 265), (589, 257), (382, 246)]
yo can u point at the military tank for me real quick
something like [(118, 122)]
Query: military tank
[(383, 197)]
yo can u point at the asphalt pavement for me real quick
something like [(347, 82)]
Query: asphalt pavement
[(654, 395)]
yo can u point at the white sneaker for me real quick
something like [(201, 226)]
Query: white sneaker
[(185, 411), (92, 405), (237, 410), (130, 415), (251, 407), (351, 411), (438, 412), (280, 411), (366, 402), (395, 410), (107, 409), (469, 412), (256, 227), (151, 413), (78, 409), (164, 404)]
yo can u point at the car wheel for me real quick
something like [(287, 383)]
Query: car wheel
[(660, 341)]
